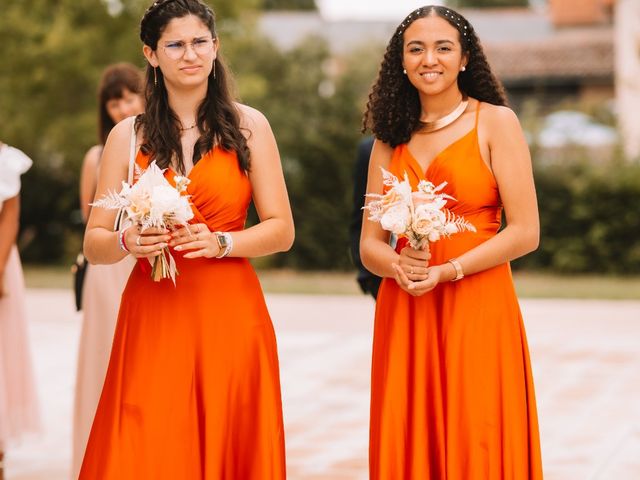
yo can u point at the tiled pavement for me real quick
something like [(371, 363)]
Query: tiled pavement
[(586, 360)]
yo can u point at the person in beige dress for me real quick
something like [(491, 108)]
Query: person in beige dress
[(19, 411), (120, 96)]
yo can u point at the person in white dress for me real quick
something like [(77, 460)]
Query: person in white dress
[(119, 96), (19, 412)]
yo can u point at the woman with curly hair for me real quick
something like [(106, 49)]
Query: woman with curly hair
[(452, 392), (192, 390)]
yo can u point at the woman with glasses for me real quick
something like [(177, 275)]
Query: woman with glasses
[(18, 402), (192, 388), (119, 96)]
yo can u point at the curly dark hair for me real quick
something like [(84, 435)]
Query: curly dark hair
[(218, 117), (393, 110)]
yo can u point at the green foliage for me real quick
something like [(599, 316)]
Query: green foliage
[(487, 3), (289, 5), (315, 116), (54, 54), (589, 218)]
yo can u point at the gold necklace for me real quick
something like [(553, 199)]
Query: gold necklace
[(184, 129), (447, 119)]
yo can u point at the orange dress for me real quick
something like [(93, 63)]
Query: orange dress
[(192, 389), (452, 393)]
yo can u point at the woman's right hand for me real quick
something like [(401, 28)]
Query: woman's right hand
[(147, 244), (414, 263)]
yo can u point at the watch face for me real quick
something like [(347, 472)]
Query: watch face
[(222, 240)]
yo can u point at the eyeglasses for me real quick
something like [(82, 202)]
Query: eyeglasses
[(201, 47)]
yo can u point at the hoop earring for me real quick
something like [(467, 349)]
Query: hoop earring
[(214, 68), (155, 76)]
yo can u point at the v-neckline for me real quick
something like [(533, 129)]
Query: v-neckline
[(188, 175), (415, 160)]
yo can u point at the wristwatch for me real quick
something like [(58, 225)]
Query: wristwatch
[(225, 243), (458, 268)]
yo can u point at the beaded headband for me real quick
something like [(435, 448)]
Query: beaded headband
[(449, 14)]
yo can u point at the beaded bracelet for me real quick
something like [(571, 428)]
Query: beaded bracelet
[(121, 241)]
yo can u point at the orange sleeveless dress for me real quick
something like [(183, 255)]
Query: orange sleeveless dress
[(452, 392), (192, 390)]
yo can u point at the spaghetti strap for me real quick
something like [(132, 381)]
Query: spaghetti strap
[(132, 152), (477, 114)]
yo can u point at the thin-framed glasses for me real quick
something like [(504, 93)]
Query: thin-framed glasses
[(201, 47)]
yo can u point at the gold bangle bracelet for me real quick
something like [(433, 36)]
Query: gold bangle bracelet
[(458, 269)]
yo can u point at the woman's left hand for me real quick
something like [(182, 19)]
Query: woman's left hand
[(196, 237), (417, 289)]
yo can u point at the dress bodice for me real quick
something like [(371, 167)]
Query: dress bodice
[(220, 190), (469, 181)]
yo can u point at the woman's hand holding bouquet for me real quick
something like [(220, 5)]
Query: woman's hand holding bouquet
[(148, 211), (419, 216)]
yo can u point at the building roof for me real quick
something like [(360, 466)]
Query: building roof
[(584, 54), (521, 44)]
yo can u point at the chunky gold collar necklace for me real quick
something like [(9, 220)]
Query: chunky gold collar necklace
[(447, 119)]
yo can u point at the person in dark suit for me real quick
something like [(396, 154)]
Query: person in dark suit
[(369, 283)]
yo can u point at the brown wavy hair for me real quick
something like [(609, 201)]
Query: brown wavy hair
[(218, 117), (393, 110), (114, 81)]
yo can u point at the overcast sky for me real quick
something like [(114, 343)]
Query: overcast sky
[(370, 9)]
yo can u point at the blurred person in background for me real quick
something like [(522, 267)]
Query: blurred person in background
[(19, 412), (192, 389), (452, 393), (369, 283), (120, 96)]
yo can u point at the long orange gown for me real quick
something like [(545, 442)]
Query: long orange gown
[(452, 391), (192, 389)]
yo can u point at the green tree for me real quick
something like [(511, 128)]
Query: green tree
[(54, 54), (314, 103), (289, 5)]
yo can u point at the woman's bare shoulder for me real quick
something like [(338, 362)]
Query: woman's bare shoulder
[(498, 116), (92, 157), (251, 118)]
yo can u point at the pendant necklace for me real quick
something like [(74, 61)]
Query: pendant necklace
[(447, 119)]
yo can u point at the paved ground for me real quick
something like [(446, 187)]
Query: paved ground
[(586, 360)]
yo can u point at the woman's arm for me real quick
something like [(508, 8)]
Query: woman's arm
[(88, 180), (100, 241), (511, 165), (377, 255), (275, 232), (9, 220), (375, 252)]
